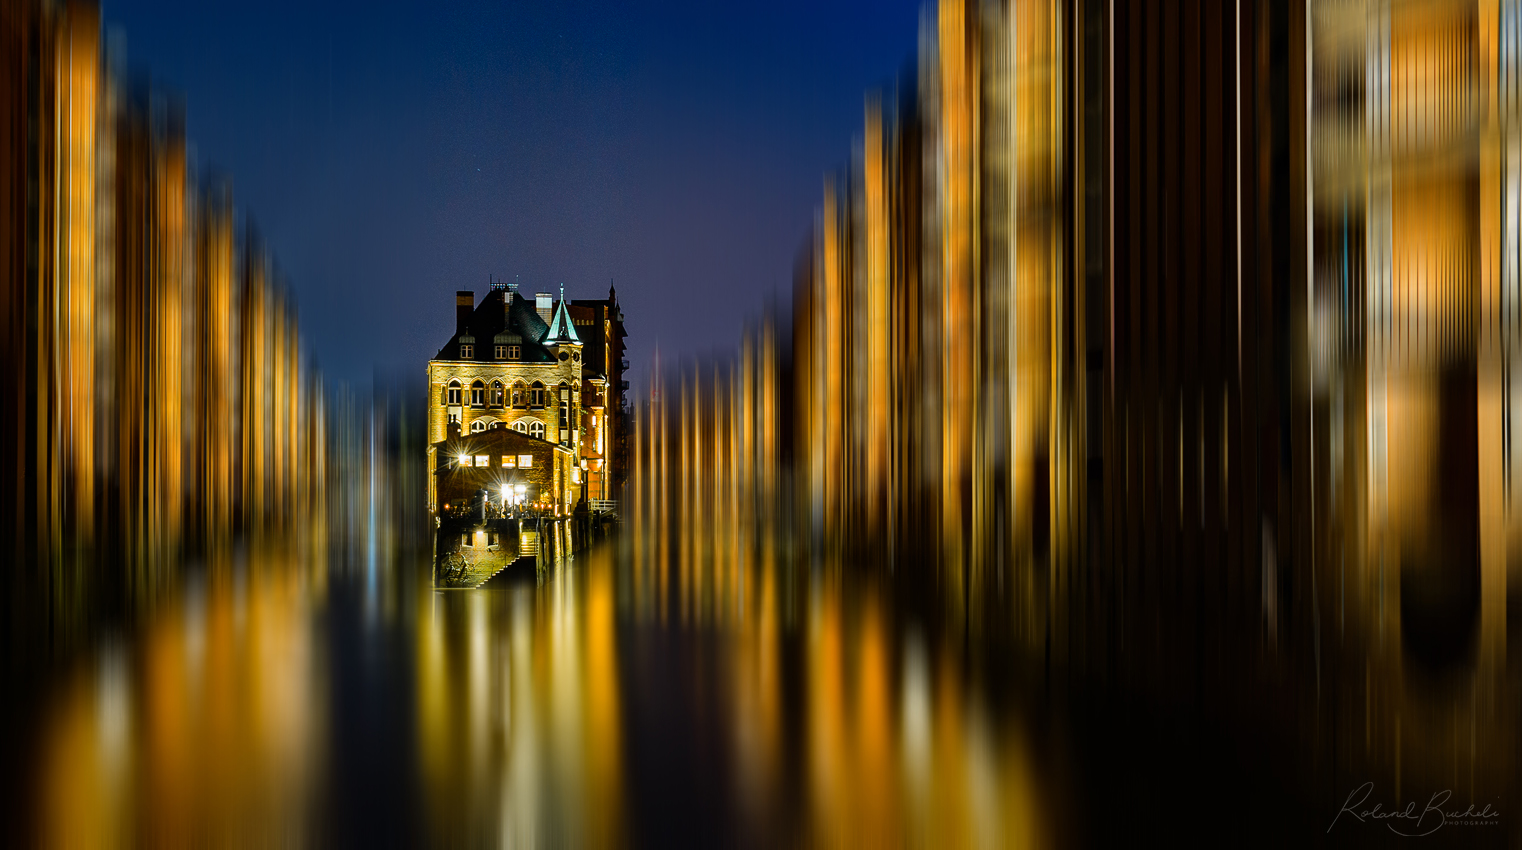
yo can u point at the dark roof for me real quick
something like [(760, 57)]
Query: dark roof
[(488, 321)]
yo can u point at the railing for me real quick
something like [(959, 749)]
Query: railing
[(603, 506)]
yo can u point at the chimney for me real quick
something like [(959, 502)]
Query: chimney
[(464, 304), (544, 302)]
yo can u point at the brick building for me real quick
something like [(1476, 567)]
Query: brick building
[(600, 324), (545, 368), (511, 466)]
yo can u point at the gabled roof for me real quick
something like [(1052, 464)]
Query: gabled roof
[(504, 317), (562, 329)]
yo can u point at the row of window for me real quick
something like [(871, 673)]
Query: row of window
[(506, 352), (506, 461), (533, 428), (501, 352), (533, 396)]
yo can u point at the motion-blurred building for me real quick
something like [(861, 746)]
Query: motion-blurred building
[(1147, 322), (151, 369), (523, 365)]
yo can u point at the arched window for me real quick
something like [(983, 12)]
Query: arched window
[(478, 394), (520, 427), (454, 392), (565, 413), (536, 394), (496, 393), (536, 429), (520, 396), (477, 427)]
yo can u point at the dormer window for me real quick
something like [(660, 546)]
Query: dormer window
[(514, 352), (467, 351), (501, 352)]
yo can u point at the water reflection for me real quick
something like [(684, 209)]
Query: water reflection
[(203, 725), (272, 699), (644, 692)]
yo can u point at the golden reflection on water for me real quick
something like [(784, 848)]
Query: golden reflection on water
[(834, 720), (203, 727), (518, 709)]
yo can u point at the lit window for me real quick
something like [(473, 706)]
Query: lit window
[(525, 461), (467, 351), (478, 394), (483, 461), (465, 460), (536, 430), (454, 392), (508, 461)]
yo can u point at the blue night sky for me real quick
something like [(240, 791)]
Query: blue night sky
[(393, 153)]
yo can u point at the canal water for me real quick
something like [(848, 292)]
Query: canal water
[(661, 690)]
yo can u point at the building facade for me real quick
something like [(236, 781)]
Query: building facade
[(155, 390), (600, 324), (524, 365), (513, 468)]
